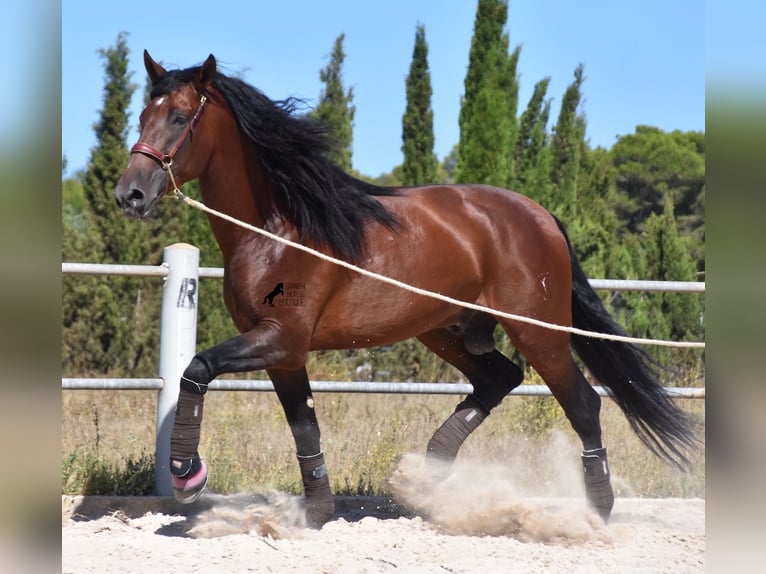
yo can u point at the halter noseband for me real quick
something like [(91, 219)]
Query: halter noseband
[(166, 159)]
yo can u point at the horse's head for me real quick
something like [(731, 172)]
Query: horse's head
[(170, 151)]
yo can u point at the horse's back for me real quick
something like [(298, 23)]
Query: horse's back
[(494, 217), (515, 246), (467, 200)]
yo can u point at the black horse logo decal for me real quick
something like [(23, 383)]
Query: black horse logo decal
[(278, 290)]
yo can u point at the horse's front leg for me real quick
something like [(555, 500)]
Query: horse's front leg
[(294, 392), (259, 348)]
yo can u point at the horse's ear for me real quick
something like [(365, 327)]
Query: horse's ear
[(206, 74), (153, 68)]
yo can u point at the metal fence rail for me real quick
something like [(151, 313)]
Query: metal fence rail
[(402, 388), (178, 324), (217, 273)]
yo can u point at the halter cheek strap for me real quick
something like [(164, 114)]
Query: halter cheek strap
[(166, 159)]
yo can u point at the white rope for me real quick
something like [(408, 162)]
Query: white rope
[(432, 294)]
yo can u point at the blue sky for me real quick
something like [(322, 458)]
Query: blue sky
[(644, 61)]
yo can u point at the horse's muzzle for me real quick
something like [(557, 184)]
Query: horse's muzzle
[(137, 194), (133, 203)]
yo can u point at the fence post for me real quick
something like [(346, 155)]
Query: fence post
[(178, 339)]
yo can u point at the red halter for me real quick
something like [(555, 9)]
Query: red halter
[(165, 159)]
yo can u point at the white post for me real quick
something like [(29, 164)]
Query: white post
[(178, 339)]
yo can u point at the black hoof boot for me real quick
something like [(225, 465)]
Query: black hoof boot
[(320, 502), (598, 486)]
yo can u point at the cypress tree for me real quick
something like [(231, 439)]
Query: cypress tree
[(485, 150), (97, 317), (420, 162), (486, 47), (510, 85), (109, 158), (336, 107), (566, 146), (531, 154), (594, 224)]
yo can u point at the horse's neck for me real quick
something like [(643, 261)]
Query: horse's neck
[(238, 188)]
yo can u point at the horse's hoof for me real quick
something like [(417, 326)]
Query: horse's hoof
[(187, 489), (319, 511), (598, 486)]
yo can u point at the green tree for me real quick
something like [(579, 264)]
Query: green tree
[(593, 223), (667, 259), (510, 86), (98, 315), (420, 163), (566, 147), (486, 119), (109, 158), (532, 155), (335, 106), (73, 205), (652, 166)]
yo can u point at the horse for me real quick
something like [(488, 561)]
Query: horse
[(261, 161)]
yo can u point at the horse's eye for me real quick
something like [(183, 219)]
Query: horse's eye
[(179, 119)]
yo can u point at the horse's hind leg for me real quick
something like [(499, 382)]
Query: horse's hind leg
[(492, 375), (551, 357)]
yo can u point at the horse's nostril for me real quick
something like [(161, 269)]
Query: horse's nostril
[(136, 197)]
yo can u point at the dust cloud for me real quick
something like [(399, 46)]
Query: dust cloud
[(491, 499), (472, 498), (277, 515)]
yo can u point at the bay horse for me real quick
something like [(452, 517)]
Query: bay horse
[(260, 161)]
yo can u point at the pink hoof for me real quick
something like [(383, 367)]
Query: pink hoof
[(190, 488)]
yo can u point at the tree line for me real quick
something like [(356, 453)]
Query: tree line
[(634, 211)]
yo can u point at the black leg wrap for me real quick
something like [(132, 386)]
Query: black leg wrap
[(447, 440), (184, 439), (598, 486), (320, 503)]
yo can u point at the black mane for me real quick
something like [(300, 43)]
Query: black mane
[(324, 203)]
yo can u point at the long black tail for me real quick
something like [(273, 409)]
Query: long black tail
[(628, 372)]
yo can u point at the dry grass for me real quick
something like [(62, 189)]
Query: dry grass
[(248, 444)]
